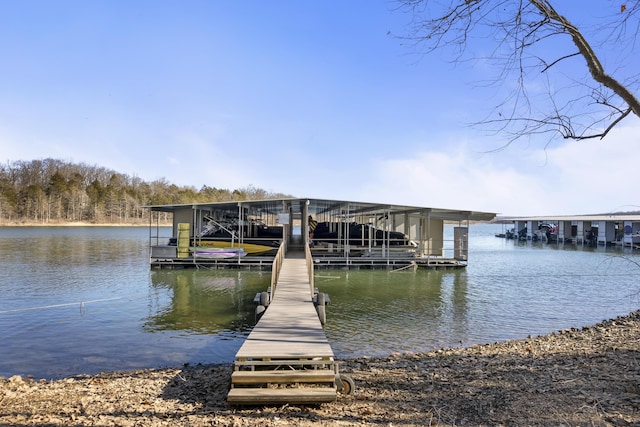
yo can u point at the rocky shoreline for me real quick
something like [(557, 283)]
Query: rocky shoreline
[(577, 377)]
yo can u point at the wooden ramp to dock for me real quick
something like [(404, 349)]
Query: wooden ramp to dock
[(286, 358)]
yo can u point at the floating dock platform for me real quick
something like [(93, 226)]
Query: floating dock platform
[(342, 234)]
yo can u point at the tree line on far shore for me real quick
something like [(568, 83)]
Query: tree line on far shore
[(52, 191)]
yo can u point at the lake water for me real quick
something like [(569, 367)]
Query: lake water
[(77, 300)]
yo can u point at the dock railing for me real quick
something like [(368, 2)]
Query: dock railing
[(309, 260), (276, 267)]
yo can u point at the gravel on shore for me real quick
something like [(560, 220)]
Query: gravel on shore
[(576, 377)]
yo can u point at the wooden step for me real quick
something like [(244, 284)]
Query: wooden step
[(259, 396), (282, 377)]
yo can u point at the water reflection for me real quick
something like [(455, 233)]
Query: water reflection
[(386, 312), (60, 246), (459, 303), (84, 300), (206, 301)]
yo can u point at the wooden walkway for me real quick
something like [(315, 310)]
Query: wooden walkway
[(286, 358)]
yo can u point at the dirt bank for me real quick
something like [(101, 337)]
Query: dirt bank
[(586, 377)]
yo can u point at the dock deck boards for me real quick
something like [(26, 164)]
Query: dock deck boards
[(287, 343), (290, 328)]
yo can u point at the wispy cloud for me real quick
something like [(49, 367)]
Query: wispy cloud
[(568, 178)]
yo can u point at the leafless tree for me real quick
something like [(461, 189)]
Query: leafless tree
[(52, 190), (537, 47)]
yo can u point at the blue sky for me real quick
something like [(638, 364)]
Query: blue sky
[(310, 98)]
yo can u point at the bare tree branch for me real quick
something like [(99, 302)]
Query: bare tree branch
[(562, 58), (595, 67), (576, 108)]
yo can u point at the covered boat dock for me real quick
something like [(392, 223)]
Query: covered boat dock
[(595, 230), (347, 234)]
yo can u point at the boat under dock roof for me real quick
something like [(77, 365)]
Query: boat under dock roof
[(621, 229), (345, 233)]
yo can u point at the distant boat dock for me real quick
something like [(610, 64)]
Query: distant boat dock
[(593, 230)]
